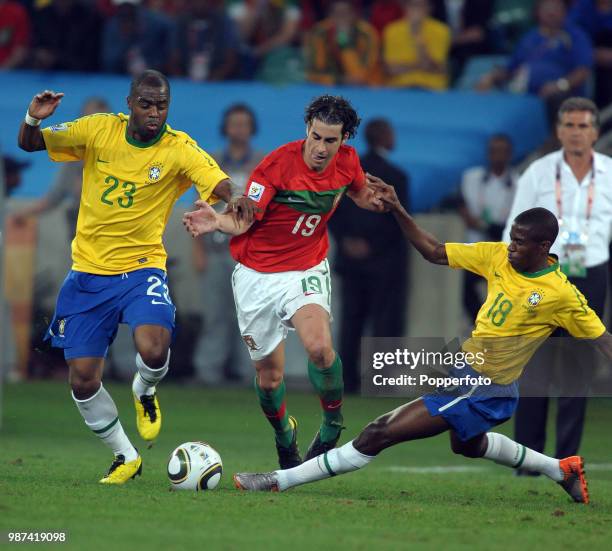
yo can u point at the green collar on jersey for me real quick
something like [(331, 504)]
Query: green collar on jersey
[(151, 142), (545, 271)]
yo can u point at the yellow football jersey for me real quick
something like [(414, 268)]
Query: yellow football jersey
[(129, 189), (521, 310)]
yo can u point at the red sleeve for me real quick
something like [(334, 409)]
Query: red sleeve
[(359, 180), (260, 188)]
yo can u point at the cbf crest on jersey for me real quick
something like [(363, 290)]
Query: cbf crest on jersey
[(534, 298), (155, 172)]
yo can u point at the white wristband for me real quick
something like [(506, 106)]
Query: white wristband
[(32, 121)]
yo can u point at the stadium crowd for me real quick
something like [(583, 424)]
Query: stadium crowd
[(551, 48)]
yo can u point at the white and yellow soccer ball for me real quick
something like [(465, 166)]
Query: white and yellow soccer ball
[(195, 466)]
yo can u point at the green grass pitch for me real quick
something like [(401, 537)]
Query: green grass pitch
[(50, 464)]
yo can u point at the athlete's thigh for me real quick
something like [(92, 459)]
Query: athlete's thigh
[(311, 323), (147, 301)]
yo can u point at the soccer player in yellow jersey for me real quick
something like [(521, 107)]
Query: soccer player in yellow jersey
[(528, 297), (135, 168)]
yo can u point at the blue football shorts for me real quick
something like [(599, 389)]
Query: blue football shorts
[(90, 308), (473, 409)]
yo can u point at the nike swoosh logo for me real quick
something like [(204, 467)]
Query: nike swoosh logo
[(292, 200), (101, 161), (496, 274), (159, 302), (312, 293)]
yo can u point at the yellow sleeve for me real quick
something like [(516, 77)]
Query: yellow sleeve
[(201, 169), (475, 257), (575, 316), (67, 141)]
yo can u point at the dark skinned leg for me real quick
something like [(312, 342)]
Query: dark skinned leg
[(411, 421)]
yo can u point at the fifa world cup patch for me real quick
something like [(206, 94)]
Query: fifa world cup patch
[(255, 191), (155, 171), (250, 342)]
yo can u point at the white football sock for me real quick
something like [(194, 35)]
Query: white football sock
[(337, 461), (506, 451), (146, 378), (101, 416)]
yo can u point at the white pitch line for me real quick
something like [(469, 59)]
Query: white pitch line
[(449, 469)]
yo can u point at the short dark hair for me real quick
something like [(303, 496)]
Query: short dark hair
[(238, 108), (579, 104), (374, 129), (542, 224), (149, 77), (333, 110)]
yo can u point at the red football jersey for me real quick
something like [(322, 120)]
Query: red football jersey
[(290, 232)]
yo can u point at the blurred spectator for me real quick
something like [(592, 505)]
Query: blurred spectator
[(552, 60), (14, 34), (384, 12), (220, 352), (314, 11), (267, 27), (468, 21), (68, 182), (415, 49), (12, 173), (595, 18), (73, 50), (206, 43), (135, 39), (371, 259), (343, 49), (486, 196)]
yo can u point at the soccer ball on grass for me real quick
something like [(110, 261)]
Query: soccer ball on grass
[(195, 466)]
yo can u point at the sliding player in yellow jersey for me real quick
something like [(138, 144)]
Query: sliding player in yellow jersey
[(135, 168), (528, 297)]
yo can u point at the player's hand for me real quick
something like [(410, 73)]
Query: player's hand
[(384, 193), (201, 221), (243, 208), (44, 104)]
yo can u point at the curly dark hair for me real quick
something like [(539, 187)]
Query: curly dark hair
[(333, 110)]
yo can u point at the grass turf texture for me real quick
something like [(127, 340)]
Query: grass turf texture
[(50, 464)]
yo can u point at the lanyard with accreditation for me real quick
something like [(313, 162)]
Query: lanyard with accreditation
[(573, 240)]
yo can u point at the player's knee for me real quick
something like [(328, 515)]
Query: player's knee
[(320, 352), (155, 354), (466, 449), (269, 381), (83, 386)]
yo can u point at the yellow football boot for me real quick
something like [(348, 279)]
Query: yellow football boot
[(120, 471), (148, 416)]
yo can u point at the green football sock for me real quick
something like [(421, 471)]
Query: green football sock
[(275, 409), (330, 387)]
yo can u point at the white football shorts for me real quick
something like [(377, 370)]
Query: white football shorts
[(266, 302)]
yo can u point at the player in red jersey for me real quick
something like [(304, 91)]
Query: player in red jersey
[(282, 279)]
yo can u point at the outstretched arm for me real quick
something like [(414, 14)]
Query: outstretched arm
[(206, 220), (43, 105), (367, 198), (242, 207), (429, 247)]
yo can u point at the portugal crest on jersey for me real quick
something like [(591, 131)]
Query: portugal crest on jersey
[(154, 173)]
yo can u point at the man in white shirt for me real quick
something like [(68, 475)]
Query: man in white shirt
[(486, 198), (576, 184)]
